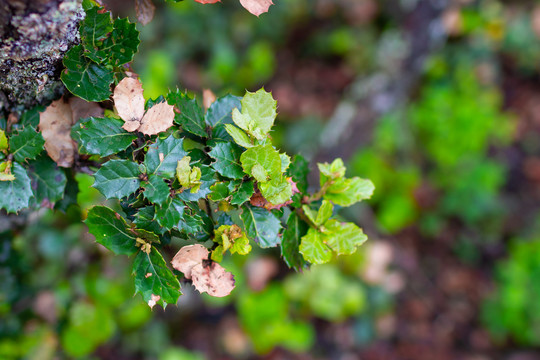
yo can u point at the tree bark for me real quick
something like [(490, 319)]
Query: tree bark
[(34, 36)]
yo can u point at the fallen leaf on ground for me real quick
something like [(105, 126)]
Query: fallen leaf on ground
[(145, 11), (55, 126), (129, 103), (212, 278), (189, 256), (83, 109), (256, 7)]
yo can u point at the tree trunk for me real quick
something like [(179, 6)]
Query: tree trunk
[(34, 35)]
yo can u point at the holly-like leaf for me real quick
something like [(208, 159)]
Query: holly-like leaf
[(102, 137), (144, 219), (110, 230), (261, 225), (206, 181), (242, 193), (16, 193), (162, 156), (117, 178), (256, 7), (220, 112), (156, 190), (346, 192), (154, 280), (239, 136), (290, 244), (343, 238), (227, 156), (258, 113), (299, 170), (277, 191), (26, 144), (123, 43), (220, 191), (313, 249), (191, 116), (94, 29), (170, 213), (263, 157), (48, 181), (85, 78)]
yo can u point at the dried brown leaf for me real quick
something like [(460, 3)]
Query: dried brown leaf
[(208, 97), (157, 119), (256, 7), (153, 300), (82, 109), (189, 256), (129, 102), (55, 125), (208, 1), (145, 11), (212, 278)]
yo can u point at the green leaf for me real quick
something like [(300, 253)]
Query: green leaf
[(162, 157), (102, 137), (332, 171), (346, 192), (261, 225), (258, 113), (206, 181), (227, 156), (220, 191), (239, 136), (324, 213), (191, 116), (170, 213), (85, 78), (48, 181), (313, 248), (220, 111), (16, 193), (3, 141), (264, 156), (277, 191), (94, 29), (124, 42), (153, 277), (156, 190), (290, 244), (110, 230), (343, 238), (26, 144), (117, 178), (242, 193), (144, 219)]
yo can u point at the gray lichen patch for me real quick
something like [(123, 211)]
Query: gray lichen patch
[(31, 52)]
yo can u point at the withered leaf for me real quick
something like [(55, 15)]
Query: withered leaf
[(145, 11), (157, 119), (189, 256), (212, 278), (153, 300), (256, 7), (55, 125), (83, 109), (208, 98)]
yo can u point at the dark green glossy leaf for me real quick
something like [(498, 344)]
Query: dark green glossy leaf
[(124, 42), (292, 237), (144, 219), (16, 194), (227, 156), (117, 178), (220, 112), (299, 170), (110, 230), (220, 191), (242, 193), (153, 277), (191, 116), (156, 190), (163, 156), (102, 137), (170, 213), (85, 78), (94, 29), (48, 181), (261, 225), (26, 144)]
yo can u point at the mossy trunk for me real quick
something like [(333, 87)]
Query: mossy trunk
[(34, 35)]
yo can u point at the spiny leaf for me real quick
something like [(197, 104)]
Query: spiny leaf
[(242, 193), (117, 178), (94, 29), (170, 213), (258, 113), (102, 137), (262, 156), (162, 156), (111, 230), (48, 181), (26, 144), (219, 113), (191, 116), (227, 156), (261, 225), (16, 193), (156, 190), (123, 43), (292, 237)]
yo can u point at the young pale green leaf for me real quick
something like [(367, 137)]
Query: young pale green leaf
[(170, 213), (292, 237), (220, 111), (94, 29), (343, 238), (232, 238), (123, 44), (261, 225), (85, 78), (110, 230), (346, 192), (102, 137), (154, 280), (239, 136), (156, 190), (162, 157), (262, 156), (48, 181), (220, 191), (3, 140), (191, 116), (310, 214), (117, 178), (242, 193), (258, 113), (277, 191), (324, 213), (335, 170), (227, 156), (16, 193), (285, 162), (26, 144), (313, 249)]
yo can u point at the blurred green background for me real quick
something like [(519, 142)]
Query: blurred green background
[(437, 102)]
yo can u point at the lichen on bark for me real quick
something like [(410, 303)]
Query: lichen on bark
[(34, 36)]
